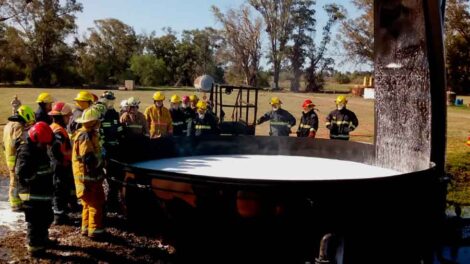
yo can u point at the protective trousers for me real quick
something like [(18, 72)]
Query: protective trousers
[(92, 214), (38, 216), (64, 190), (13, 197)]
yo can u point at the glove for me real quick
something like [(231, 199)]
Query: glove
[(312, 134), (258, 122)]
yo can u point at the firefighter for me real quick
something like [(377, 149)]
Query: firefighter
[(123, 107), (44, 101), (158, 117), (178, 117), (15, 129), (193, 100), (64, 188), (34, 173), (88, 173), (15, 104), (281, 120), (133, 121), (309, 121), (341, 121), (111, 133), (83, 100), (204, 124)]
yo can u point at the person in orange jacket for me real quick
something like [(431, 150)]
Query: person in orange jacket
[(88, 173), (64, 188), (158, 117)]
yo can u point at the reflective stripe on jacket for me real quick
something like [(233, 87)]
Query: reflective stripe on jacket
[(34, 172), (159, 121), (203, 126), (11, 132), (86, 159), (179, 122), (308, 123), (134, 125), (281, 122), (341, 123), (111, 129)]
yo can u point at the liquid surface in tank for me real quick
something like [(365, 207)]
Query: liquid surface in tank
[(267, 167)]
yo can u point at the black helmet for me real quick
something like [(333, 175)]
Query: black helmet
[(108, 95)]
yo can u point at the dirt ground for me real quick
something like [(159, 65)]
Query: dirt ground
[(120, 246)]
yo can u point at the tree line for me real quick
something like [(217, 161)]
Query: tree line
[(38, 43)]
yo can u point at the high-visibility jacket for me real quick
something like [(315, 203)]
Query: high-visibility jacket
[(11, 132), (340, 123), (42, 115), (34, 172), (86, 159), (281, 122), (180, 124), (159, 121), (74, 126), (61, 147), (134, 125), (308, 124), (203, 126)]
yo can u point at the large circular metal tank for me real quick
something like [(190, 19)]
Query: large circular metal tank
[(242, 220)]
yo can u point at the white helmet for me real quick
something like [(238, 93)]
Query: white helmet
[(133, 101), (123, 104)]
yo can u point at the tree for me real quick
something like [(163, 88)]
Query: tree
[(303, 20), (457, 43), (318, 62), (357, 35), (44, 24), (242, 36), (277, 17), (13, 55), (105, 55), (150, 70)]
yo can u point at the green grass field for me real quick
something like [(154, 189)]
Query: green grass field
[(458, 126)]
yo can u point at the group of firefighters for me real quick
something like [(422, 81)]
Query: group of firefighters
[(58, 155)]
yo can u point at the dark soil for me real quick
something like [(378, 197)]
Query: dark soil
[(118, 246)]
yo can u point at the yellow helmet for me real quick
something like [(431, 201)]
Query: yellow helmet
[(27, 114), (341, 100), (158, 96), (275, 101), (193, 98), (90, 114), (201, 105), (84, 96), (175, 99), (44, 98)]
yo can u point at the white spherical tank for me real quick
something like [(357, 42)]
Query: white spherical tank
[(204, 83)]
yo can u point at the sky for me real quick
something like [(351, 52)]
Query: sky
[(146, 16)]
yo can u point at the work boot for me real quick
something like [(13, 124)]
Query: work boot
[(36, 251)]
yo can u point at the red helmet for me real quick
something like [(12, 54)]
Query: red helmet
[(41, 133), (185, 99), (61, 108), (307, 102), (95, 97)]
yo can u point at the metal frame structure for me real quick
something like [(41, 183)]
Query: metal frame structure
[(243, 121)]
